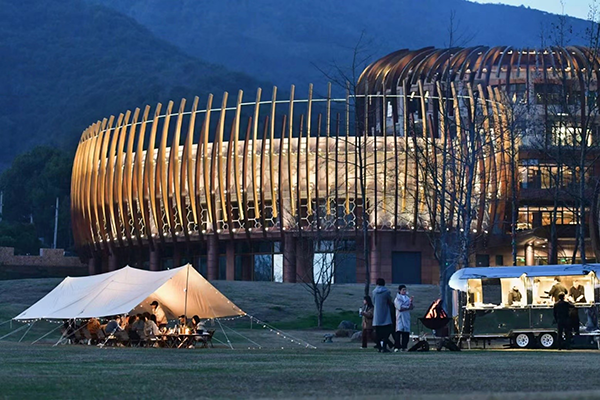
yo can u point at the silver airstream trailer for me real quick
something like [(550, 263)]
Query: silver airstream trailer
[(516, 303)]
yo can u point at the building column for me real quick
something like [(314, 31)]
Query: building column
[(94, 266), (155, 260), (247, 264), (529, 254), (304, 260), (374, 261), (212, 257), (113, 261), (230, 258), (289, 258)]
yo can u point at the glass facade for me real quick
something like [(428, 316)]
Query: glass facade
[(536, 175), (534, 217)]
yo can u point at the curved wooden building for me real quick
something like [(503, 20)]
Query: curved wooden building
[(251, 188)]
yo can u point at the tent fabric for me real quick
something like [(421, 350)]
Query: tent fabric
[(458, 280), (129, 290)]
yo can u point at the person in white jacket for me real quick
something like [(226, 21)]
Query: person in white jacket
[(403, 305)]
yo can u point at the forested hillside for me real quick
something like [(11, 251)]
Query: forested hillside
[(69, 63), (283, 41)]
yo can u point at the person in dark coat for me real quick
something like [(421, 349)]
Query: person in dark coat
[(562, 316), (382, 315)]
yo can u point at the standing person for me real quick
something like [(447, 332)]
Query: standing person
[(556, 289), (382, 315), (161, 317), (577, 293), (366, 312), (562, 311), (403, 305)]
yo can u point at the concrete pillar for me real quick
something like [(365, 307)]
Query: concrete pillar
[(247, 264), (304, 259), (289, 258), (230, 258), (212, 258), (94, 266), (155, 260), (113, 261), (375, 262), (529, 254)]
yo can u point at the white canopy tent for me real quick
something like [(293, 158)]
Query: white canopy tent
[(129, 290)]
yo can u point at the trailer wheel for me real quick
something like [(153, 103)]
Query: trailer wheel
[(523, 340), (547, 340)]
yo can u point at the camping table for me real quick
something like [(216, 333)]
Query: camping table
[(179, 340), (185, 339)]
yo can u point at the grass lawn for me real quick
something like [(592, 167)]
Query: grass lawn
[(280, 368), (42, 371)]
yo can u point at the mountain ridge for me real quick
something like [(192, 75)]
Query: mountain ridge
[(72, 63), (282, 41)]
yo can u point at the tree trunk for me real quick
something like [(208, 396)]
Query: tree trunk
[(320, 316)]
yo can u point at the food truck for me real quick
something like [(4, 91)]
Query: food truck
[(516, 303)]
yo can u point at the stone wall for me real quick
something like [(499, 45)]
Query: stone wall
[(49, 263)]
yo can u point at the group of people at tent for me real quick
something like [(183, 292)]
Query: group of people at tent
[(145, 329), (134, 306)]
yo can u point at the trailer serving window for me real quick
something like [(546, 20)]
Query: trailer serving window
[(578, 289), (474, 293), (484, 293), (514, 292)]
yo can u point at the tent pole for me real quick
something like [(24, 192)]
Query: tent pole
[(15, 331), (34, 342), (66, 331), (187, 279), (27, 331), (61, 338)]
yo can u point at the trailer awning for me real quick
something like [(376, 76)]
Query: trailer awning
[(459, 279)]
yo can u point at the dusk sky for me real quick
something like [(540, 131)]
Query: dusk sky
[(575, 8)]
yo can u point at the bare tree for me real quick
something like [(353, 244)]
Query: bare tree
[(347, 78), (320, 256)]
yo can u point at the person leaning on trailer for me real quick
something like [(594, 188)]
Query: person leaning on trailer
[(562, 316)]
